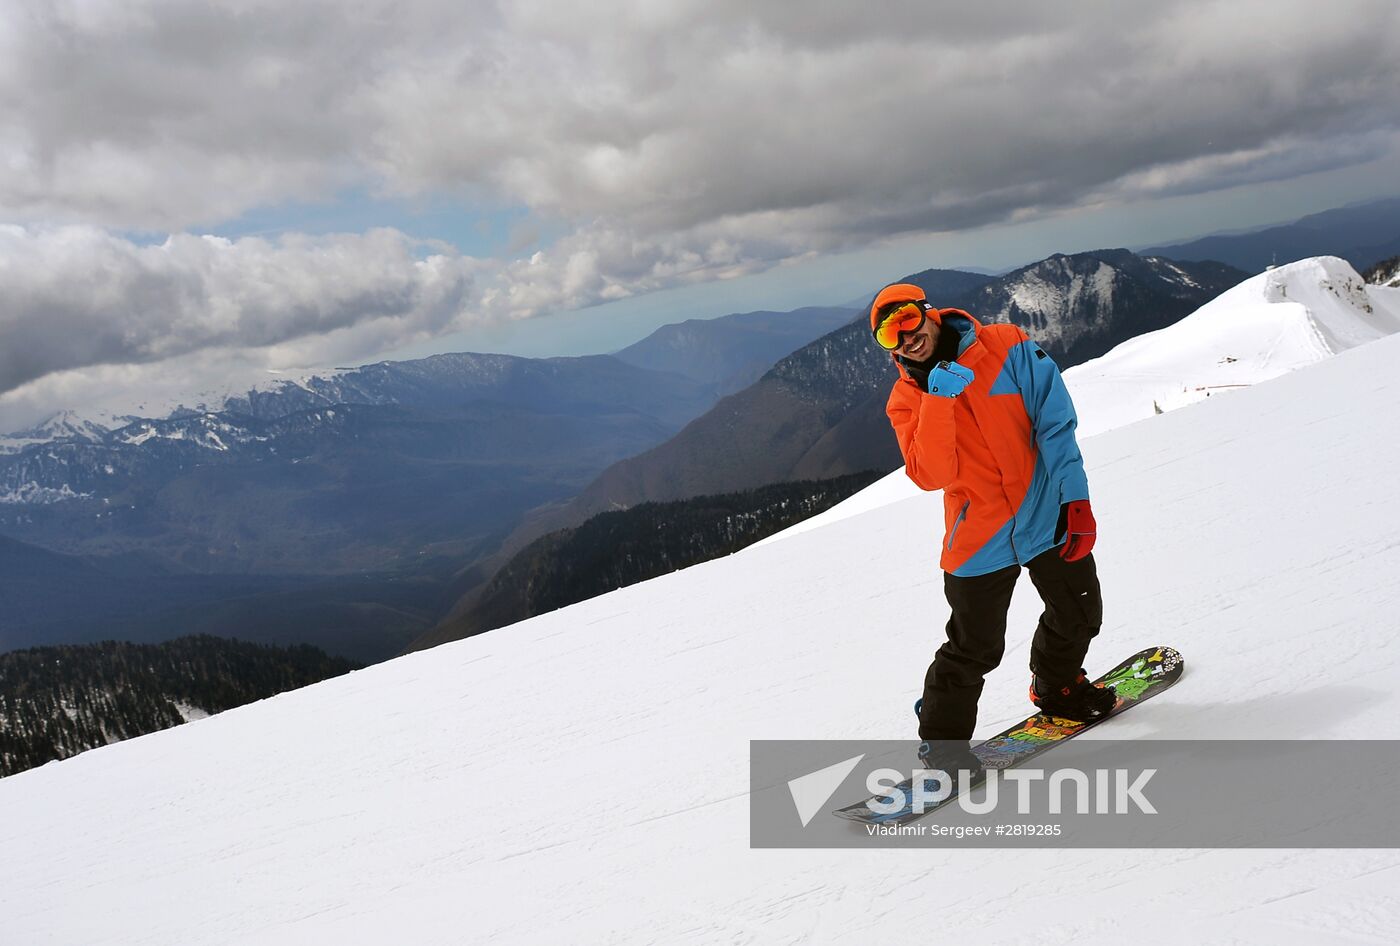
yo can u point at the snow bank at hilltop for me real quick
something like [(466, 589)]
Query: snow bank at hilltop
[(1268, 325)]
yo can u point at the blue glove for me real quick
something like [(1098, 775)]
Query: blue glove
[(947, 379)]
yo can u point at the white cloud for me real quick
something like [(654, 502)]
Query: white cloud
[(78, 296), (661, 117)]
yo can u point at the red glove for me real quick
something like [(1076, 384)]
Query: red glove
[(1079, 529)]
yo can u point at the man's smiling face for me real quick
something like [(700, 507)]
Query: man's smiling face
[(918, 345)]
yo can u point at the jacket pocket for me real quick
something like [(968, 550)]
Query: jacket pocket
[(953, 531)]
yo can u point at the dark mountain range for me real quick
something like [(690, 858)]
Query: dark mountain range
[(734, 351), (1362, 235), (343, 510), (819, 412), (943, 284), (583, 386), (615, 549), (58, 701), (1078, 307), (371, 469), (1384, 273)]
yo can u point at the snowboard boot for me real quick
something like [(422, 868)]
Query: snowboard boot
[(1080, 701), (951, 756)]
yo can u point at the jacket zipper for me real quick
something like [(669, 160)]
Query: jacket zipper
[(952, 533)]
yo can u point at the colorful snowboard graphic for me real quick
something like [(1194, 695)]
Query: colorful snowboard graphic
[(1140, 677)]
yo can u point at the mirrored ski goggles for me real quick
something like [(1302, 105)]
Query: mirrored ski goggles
[(900, 317)]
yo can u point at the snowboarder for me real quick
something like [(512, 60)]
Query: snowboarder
[(981, 412)]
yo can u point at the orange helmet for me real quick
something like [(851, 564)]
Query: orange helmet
[(888, 302)]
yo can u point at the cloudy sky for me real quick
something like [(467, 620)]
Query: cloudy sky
[(197, 194)]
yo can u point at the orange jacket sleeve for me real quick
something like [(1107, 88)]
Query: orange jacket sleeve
[(923, 424)]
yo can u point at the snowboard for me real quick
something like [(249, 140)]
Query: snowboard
[(1136, 680)]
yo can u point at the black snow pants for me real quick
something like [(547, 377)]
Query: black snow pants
[(977, 636)]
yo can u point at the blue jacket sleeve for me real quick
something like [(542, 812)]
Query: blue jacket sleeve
[(1053, 419)]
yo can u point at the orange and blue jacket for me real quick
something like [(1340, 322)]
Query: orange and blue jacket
[(1003, 451)]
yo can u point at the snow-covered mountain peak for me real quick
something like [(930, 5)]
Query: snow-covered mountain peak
[(65, 425), (1081, 305), (1280, 320), (1338, 301)]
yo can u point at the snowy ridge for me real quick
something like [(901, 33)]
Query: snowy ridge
[(402, 803), (1087, 302), (1182, 276), (33, 494), (96, 423), (1036, 295), (65, 425), (1273, 323), (216, 400), (211, 431)]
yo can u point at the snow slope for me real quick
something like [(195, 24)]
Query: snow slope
[(582, 776), (1270, 324)]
